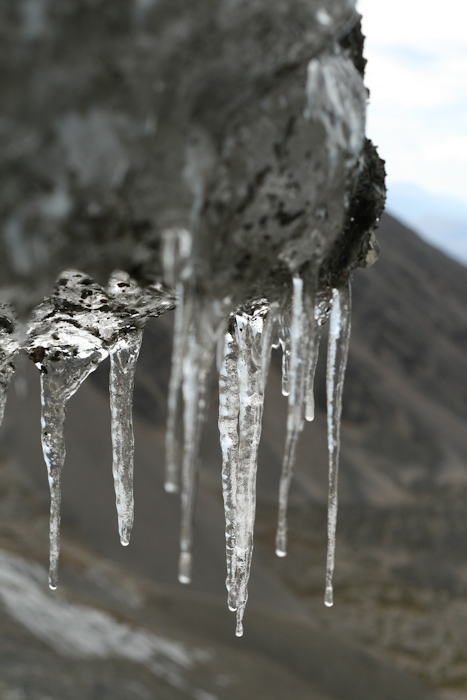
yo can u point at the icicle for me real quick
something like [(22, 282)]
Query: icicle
[(314, 351), (61, 377), (177, 263), (269, 336), (302, 333), (204, 329), (285, 343), (229, 405), (251, 394), (172, 447), (123, 357), (339, 335)]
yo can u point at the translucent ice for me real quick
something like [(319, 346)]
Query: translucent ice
[(303, 342), (229, 406), (285, 343), (310, 398), (339, 335), (61, 377), (204, 322), (68, 336), (123, 357), (248, 332), (172, 447), (270, 338)]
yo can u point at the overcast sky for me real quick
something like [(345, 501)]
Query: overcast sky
[(417, 74)]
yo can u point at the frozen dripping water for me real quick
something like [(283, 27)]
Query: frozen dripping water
[(204, 320), (338, 349), (220, 305), (229, 406), (285, 343), (172, 446), (61, 377), (69, 335), (248, 333), (303, 341), (123, 357)]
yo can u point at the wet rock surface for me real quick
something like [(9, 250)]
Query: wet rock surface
[(121, 121)]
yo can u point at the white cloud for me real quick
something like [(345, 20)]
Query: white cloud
[(417, 74)]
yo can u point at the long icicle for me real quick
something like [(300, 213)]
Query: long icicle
[(338, 350), (123, 357), (60, 379), (302, 332), (204, 328), (172, 447), (229, 405), (251, 394)]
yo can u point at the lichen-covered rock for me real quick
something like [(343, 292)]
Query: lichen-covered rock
[(122, 120)]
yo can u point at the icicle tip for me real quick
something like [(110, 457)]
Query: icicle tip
[(184, 568), (239, 629), (232, 601), (310, 414), (171, 487), (281, 543), (329, 597), (125, 534)]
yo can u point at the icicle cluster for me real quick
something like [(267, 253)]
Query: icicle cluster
[(68, 336), (81, 324), (243, 358), (253, 331)]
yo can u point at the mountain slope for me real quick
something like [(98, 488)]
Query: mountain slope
[(401, 586)]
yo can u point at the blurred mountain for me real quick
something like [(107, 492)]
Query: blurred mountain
[(401, 571), (439, 219)]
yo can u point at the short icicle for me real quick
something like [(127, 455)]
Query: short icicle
[(285, 343), (60, 379), (204, 329), (229, 405), (123, 357), (338, 349), (302, 333), (310, 395), (249, 327), (270, 333)]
